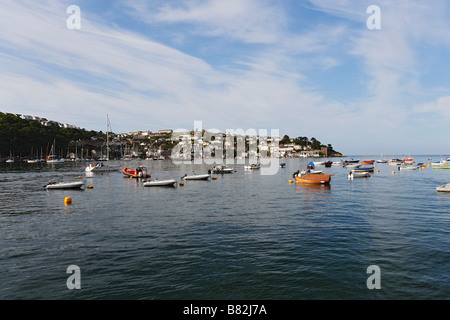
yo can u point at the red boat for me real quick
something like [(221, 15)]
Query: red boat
[(140, 172), (368, 162)]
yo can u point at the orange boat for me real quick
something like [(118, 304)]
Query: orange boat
[(313, 178), (140, 172), (368, 162)]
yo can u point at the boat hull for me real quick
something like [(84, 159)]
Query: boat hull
[(67, 185), (160, 183), (444, 188), (100, 168), (197, 177), (135, 174), (314, 178)]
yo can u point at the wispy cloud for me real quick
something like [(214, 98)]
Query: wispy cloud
[(232, 64)]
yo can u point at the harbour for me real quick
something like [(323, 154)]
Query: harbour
[(238, 236)]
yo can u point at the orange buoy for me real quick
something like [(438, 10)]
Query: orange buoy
[(68, 201)]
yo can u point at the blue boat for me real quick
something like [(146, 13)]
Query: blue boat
[(364, 169)]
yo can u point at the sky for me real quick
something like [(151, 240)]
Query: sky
[(304, 67)]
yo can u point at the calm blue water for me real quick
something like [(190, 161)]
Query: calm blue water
[(242, 236)]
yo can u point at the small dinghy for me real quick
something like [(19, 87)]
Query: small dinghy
[(160, 183), (444, 188), (363, 174), (253, 166), (409, 167), (100, 167), (363, 169), (196, 177), (65, 185), (221, 169)]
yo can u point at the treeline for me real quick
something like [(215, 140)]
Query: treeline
[(26, 138), (312, 144)]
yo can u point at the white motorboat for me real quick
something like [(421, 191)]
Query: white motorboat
[(444, 188), (337, 163), (382, 161), (196, 177), (408, 167), (363, 174), (253, 166), (65, 185), (352, 165), (221, 169), (443, 164), (160, 183), (395, 162), (100, 167), (318, 163)]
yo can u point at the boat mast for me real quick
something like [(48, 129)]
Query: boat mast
[(107, 138)]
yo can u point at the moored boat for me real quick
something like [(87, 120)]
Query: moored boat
[(160, 183), (395, 162), (354, 174), (352, 165), (311, 178), (408, 167), (140, 172), (196, 177), (253, 166), (65, 185), (221, 169), (409, 160), (100, 167), (443, 164), (368, 162), (443, 188), (363, 169)]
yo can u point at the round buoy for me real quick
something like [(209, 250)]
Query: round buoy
[(290, 181), (80, 177), (181, 183), (68, 201), (393, 172), (214, 178), (378, 170), (90, 187)]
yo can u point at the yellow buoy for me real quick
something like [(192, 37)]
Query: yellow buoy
[(181, 183), (290, 181), (393, 172), (80, 177), (214, 178), (378, 170), (68, 201), (90, 187)]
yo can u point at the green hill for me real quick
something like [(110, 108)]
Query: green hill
[(25, 138)]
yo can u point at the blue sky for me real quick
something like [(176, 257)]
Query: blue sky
[(307, 68)]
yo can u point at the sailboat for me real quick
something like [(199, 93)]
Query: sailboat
[(100, 167), (11, 158), (52, 158), (311, 178)]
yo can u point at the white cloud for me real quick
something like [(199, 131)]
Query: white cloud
[(244, 20)]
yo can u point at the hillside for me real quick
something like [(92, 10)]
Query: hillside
[(22, 137)]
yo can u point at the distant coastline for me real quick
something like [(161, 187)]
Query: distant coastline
[(26, 137)]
